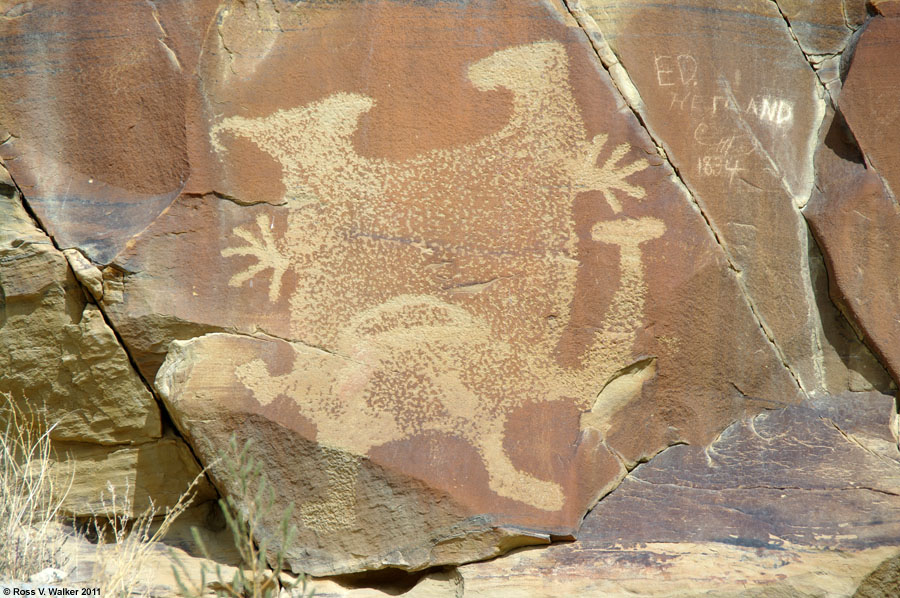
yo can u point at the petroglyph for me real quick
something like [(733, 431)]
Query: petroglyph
[(441, 285)]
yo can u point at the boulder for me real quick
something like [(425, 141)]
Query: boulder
[(856, 222), (62, 363), (796, 502), (126, 481), (869, 97)]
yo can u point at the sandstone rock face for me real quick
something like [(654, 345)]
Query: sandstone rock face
[(107, 132), (460, 270), (737, 107), (747, 505), (153, 474), (856, 221), (56, 352), (823, 27), (762, 511), (459, 328), (869, 98), (854, 213), (59, 359)]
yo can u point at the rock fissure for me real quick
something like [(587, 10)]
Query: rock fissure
[(607, 58), (173, 55), (88, 293), (233, 199), (742, 488), (852, 440), (89, 296)]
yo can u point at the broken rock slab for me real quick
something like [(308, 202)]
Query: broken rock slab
[(445, 341), (60, 361), (856, 223), (127, 480), (870, 95), (798, 502), (855, 214), (57, 354), (823, 27)]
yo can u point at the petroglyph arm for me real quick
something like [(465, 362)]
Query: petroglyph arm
[(610, 177), (259, 244)]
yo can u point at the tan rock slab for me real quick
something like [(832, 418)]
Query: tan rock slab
[(57, 354), (87, 273), (157, 473)]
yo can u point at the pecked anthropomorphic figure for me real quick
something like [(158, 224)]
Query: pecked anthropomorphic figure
[(455, 269)]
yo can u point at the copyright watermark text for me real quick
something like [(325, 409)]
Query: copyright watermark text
[(30, 589)]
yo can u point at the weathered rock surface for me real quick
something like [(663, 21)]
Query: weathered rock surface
[(854, 213), (99, 145), (825, 26), (154, 474), (60, 360), (869, 98), (796, 502), (856, 222), (737, 107), (456, 282), (478, 339), (56, 352)]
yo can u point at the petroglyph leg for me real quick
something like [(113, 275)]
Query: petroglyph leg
[(627, 309), (508, 481), (261, 246), (610, 177), (626, 312), (623, 387), (328, 390)]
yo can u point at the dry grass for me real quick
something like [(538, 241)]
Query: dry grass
[(251, 503), (32, 536), (128, 543), (30, 497)]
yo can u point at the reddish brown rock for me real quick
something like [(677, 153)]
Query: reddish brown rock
[(737, 108), (856, 222), (825, 26), (870, 99), (798, 502), (423, 255), (97, 97), (475, 314)]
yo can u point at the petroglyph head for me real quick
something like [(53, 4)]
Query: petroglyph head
[(522, 69), (320, 131)]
